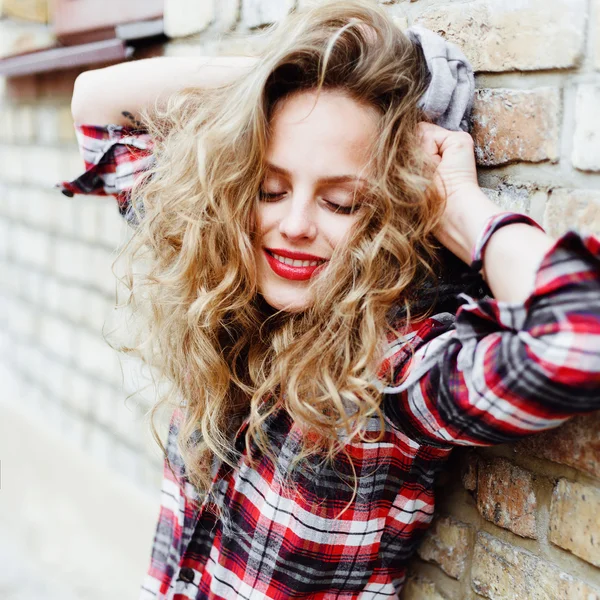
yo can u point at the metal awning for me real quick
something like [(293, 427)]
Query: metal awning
[(64, 57)]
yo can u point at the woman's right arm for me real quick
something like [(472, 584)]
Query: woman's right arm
[(109, 95), (106, 106)]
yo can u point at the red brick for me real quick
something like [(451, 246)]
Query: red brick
[(516, 125), (504, 572), (421, 588), (505, 496), (469, 470), (575, 444), (447, 544), (509, 36), (575, 520)]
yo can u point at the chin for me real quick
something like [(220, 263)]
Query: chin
[(292, 302)]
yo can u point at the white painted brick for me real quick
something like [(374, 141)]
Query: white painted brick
[(104, 406), (72, 304), (129, 463), (62, 212), (152, 475), (86, 218), (57, 336), (31, 286), (112, 227), (586, 139), (96, 307), (13, 164), (32, 246), (53, 291), (129, 420), (44, 360), (82, 391), (135, 375), (103, 277), (37, 361), (34, 208), (44, 166), (4, 239), (185, 17), (24, 124), (596, 28), (257, 12), (9, 277), (72, 164), (7, 123), (13, 200), (100, 445), (4, 191), (96, 357), (73, 260), (19, 355), (66, 127), (36, 399), (22, 319), (56, 379), (75, 429), (46, 123), (20, 207)]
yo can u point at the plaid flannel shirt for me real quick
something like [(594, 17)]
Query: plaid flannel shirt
[(494, 372)]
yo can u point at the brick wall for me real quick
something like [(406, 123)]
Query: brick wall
[(515, 521), (57, 290)]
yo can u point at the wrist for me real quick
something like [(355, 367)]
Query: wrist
[(465, 216), (496, 234)]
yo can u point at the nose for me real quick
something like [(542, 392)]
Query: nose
[(298, 220)]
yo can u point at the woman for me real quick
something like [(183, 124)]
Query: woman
[(288, 211)]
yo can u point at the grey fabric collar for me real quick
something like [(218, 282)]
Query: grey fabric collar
[(448, 100)]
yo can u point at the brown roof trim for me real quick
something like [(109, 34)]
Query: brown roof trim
[(64, 57)]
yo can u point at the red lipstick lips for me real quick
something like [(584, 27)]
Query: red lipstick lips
[(296, 273)]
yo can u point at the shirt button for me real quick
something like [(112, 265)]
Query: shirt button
[(186, 574)]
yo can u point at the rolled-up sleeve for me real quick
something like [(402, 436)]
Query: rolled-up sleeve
[(115, 157), (504, 370)]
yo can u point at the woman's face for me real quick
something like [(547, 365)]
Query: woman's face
[(315, 161)]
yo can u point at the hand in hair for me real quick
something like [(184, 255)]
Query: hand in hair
[(453, 154), (514, 252)]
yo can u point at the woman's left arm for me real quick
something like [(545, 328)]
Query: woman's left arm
[(519, 363), (514, 252)]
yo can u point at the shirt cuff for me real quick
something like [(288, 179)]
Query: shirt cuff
[(113, 155), (569, 268), (492, 225)]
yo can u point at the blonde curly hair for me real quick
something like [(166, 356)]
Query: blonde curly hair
[(227, 355)]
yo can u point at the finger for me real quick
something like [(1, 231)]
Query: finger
[(428, 140)]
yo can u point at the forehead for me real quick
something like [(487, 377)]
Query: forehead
[(322, 134)]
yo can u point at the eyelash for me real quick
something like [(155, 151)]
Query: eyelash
[(336, 208)]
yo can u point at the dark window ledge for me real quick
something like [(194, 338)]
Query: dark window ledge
[(65, 57)]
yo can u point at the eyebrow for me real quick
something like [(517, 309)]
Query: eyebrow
[(332, 179)]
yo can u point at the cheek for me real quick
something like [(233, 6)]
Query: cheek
[(336, 228), (263, 218)]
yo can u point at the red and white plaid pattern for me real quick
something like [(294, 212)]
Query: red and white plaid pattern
[(493, 373)]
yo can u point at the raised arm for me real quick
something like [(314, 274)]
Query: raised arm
[(509, 366), (106, 96), (106, 108)]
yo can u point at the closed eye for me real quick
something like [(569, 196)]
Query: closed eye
[(332, 206), (269, 197), (344, 210)]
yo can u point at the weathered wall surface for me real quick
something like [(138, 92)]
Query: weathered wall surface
[(515, 521)]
